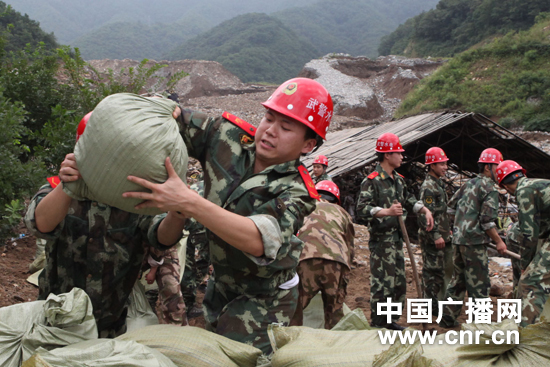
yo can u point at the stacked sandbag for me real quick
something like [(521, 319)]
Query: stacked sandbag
[(127, 134), (100, 352), (59, 321), (188, 346)]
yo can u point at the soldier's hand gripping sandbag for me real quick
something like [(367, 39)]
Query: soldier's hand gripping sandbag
[(127, 135)]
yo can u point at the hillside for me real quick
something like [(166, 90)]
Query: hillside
[(120, 29), (507, 79), (455, 25), (17, 30), (136, 40), (354, 27), (255, 47), (71, 19)]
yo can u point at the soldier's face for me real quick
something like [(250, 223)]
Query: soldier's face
[(439, 168), (280, 139), (318, 169), (394, 159)]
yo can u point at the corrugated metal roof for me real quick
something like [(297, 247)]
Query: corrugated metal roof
[(462, 135)]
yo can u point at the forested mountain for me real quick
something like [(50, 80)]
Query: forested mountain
[(352, 26), (18, 30), (137, 40), (255, 47), (71, 19), (455, 25), (507, 79), (142, 29)]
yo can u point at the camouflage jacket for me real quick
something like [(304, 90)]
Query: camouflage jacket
[(434, 197), (328, 233), (276, 199), (194, 227), (378, 191), (475, 206), (97, 248), (323, 177), (533, 197)]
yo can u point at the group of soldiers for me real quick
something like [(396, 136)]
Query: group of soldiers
[(274, 241), (455, 256)]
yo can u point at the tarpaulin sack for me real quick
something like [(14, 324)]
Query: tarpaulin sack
[(100, 352), (189, 346), (126, 135), (59, 321)]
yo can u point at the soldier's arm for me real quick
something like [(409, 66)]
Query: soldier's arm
[(529, 224), (427, 196), (366, 207), (488, 217), (416, 206), (195, 129), (53, 208)]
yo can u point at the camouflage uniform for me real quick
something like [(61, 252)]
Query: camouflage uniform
[(99, 249), (387, 262), (328, 236), (438, 263), (533, 197), (512, 244), (323, 177), (170, 304), (476, 205), (196, 267), (243, 295)]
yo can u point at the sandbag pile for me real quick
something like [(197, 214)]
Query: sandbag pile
[(127, 134), (57, 322), (188, 346), (100, 352)]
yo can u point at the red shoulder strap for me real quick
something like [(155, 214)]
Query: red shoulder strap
[(309, 182), (240, 123), (373, 175), (54, 181), (400, 174)]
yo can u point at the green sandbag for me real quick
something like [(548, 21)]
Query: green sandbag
[(195, 347), (126, 135), (300, 346), (99, 352), (61, 320)]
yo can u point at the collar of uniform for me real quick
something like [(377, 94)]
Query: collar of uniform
[(522, 182), (286, 167), (383, 174), (439, 181)]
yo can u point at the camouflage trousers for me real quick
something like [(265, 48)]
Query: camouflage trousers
[(437, 271), (516, 265), (331, 279), (245, 318), (471, 274), (170, 304), (387, 279), (534, 285), (196, 267)]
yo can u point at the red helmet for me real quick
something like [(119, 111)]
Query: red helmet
[(82, 125), (490, 155), (388, 143), (304, 100), (435, 155), (321, 159), (329, 187), (508, 167)]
